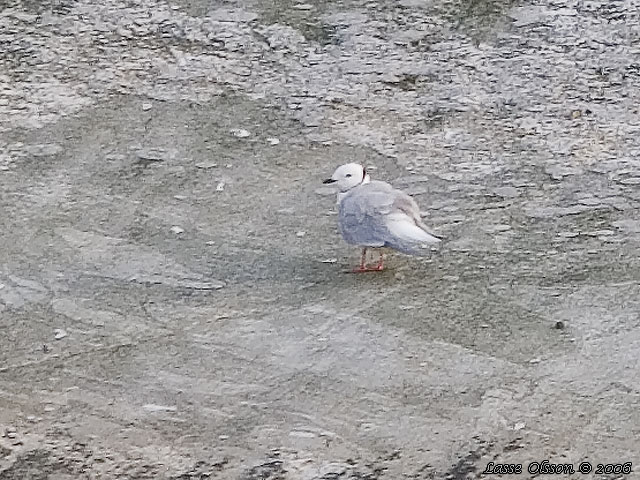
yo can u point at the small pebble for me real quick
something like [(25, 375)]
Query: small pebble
[(300, 234), (59, 334), (601, 233), (240, 132), (568, 234), (330, 260), (152, 407), (630, 181), (146, 106), (220, 187), (177, 230), (273, 141), (152, 155), (206, 165)]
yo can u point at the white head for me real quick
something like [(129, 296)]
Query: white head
[(348, 176)]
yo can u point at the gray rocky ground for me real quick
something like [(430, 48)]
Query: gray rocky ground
[(173, 300)]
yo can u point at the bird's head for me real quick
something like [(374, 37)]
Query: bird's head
[(348, 176)]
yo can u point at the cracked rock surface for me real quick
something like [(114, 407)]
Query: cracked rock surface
[(173, 299)]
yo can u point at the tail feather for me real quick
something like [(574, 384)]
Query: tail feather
[(429, 232), (406, 230)]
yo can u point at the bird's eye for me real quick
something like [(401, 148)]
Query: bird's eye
[(348, 175)]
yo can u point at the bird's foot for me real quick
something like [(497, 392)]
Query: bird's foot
[(361, 269)]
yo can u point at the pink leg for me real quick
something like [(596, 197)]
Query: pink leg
[(363, 263)]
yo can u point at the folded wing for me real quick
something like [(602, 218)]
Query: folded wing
[(361, 215), (377, 215), (405, 223)]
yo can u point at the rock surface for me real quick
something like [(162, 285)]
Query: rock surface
[(237, 348)]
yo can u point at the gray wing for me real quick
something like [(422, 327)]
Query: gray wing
[(363, 217), (361, 214), (408, 205)]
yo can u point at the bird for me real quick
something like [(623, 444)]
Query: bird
[(374, 214)]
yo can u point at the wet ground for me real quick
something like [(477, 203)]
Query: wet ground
[(173, 299)]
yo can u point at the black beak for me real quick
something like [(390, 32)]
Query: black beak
[(329, 180)]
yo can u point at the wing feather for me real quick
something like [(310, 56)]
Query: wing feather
[(376, 215)]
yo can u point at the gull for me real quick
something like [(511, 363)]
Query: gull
[(373, 214)]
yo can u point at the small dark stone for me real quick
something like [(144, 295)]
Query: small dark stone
[(559, 325)]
